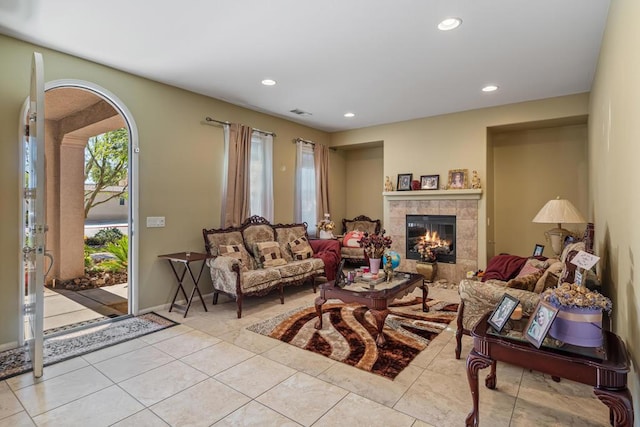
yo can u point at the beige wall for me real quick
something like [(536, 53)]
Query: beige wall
[(180, 165), (364, 183), (532, 167), (434, 145), (614, 152)]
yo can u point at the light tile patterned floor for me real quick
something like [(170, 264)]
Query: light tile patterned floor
[(211, 371)]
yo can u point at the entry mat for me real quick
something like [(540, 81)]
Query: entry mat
[(58, 348)]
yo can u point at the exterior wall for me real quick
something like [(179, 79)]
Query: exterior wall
[(111, 211), (614, 132)]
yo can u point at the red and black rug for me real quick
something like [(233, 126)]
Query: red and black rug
[(349, 332)]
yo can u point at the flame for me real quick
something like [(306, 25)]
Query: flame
[(433, 239)]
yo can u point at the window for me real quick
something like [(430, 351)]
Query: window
[(305, 197), (261, 176)]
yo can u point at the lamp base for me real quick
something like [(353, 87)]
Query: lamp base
[(556, 237)]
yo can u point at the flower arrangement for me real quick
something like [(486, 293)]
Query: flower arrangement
[(576, 296), (375, 244), (326, 224)]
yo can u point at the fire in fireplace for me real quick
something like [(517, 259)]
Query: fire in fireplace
[(439, 230)]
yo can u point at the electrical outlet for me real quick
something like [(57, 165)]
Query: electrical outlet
[(155, 221)]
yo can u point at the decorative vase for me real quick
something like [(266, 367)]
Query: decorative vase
[(427, 269), (374, 265), (326, 234), (578, 326)]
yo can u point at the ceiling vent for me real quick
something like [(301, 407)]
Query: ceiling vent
[(300, 112)]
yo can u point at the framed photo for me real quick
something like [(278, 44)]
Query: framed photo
[(503, 311), (340, 276), (404, 181), (539, 323), (458, 179), (538, 250), (429, 182)]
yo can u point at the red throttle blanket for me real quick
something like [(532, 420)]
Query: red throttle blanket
[(329, 252)]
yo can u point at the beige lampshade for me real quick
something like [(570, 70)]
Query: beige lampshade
[(559, 211)]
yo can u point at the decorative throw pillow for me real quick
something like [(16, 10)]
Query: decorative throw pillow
[(269, 254), (300, 248), (531, 266), (352, 239), (238, 252), (550, 277), (527, 283)]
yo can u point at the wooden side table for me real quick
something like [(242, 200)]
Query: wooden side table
[(186, 258), (606, 372)]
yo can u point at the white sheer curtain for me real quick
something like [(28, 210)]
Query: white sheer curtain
[(305, 197), (261, 177), (225, 169)]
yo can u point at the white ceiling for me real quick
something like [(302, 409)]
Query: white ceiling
[(383, 60)]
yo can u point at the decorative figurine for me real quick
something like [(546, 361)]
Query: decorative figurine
[(475, 180), (388, 186), (388, 269)]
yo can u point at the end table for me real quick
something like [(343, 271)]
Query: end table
[(186, 258)]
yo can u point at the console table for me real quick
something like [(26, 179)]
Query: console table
[(606, 372)]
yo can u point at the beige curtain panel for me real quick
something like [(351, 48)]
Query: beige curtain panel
[(321, 160), (237, 194)]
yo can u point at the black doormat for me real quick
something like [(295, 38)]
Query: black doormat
[(62, 347)]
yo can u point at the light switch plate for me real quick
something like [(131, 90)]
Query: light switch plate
[(155, 221)]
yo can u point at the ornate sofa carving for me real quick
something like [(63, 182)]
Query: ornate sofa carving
[(360, 223), (242, 274)]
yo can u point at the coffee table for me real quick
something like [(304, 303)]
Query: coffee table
[(603, 368), (375, 297)]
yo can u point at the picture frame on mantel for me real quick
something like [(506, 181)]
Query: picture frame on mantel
[(429, 182), (458, 179), (404, 181)]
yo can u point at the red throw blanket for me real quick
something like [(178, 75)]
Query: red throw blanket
[(503, 267), (329, 252)]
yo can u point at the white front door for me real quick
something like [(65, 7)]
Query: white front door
[(33, 227)]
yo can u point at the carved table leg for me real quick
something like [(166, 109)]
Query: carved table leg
[(425, 294), (380, 316), (318, 303), (475, 362), (459, 329), (490, 380), (620, 406)]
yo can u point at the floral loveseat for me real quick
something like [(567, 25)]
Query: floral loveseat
[(258, 257), (350, 250)]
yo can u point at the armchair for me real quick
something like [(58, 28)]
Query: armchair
[(355, 255)]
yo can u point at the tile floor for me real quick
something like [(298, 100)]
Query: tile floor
[(210, 371)]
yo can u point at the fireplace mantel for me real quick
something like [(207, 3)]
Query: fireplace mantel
[(467, 194)]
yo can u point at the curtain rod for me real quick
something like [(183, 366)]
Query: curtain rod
[(306, 141), (209, 119)]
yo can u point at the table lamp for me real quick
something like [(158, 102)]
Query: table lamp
[(558, 211)]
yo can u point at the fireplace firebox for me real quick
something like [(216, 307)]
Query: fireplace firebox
[(440, 230)]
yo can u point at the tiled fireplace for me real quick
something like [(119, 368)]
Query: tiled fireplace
[(465, 210)]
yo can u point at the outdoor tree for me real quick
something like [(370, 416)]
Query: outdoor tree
[(105, 165)]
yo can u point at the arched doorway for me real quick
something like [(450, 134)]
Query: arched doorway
[(76, 111)]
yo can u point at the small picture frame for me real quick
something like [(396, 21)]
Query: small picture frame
[(537, 251), (341, 279), (404, 181), (539, 323), (429, 182), (503, 312), (458, 179)]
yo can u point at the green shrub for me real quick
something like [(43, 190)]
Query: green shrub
[(110, 266), (121, 251), (104, 237)]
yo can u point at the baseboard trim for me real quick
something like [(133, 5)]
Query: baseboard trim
[(9, 346)]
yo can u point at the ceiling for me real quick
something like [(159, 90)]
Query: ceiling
[(383, 60)]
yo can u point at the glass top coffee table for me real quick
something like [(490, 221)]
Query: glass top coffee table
[(376, 297)]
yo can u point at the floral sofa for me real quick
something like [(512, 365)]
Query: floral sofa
[(521, 277), (258, 257), (350, 250)]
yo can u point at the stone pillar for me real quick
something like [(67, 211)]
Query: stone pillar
[(71, 252)]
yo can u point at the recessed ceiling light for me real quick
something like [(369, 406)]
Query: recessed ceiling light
[(490, 88), (349, 115), (268, 82), (449, 24)]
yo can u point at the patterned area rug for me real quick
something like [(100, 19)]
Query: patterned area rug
[(62, 347), (349, 332)]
